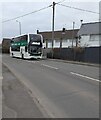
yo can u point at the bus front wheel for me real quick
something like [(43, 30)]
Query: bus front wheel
[(22, 56), (12, 55)]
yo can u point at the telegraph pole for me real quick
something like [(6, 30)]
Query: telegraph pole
[(53, 27)]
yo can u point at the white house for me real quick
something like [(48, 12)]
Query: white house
[(90, 34)]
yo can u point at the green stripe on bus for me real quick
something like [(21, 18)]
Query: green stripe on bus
[(21, 43)]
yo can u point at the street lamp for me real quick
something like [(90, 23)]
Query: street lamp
[(73, 34), (19, 26)]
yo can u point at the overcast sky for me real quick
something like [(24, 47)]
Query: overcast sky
[(42, 20)]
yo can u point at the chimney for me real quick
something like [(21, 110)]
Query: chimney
[(37, 31)]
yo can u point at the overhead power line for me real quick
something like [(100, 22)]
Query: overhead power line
[(78, 8), (26, 14), (60, 1)]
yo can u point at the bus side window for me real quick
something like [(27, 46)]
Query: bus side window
[(25, 48)]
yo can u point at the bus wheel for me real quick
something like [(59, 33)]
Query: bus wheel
[(22, 56), (12, 55)]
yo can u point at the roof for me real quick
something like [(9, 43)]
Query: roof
[(90, 28), (6, 41), (59, 34)]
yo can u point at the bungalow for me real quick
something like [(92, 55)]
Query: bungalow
[(90, 35), (62, 39)]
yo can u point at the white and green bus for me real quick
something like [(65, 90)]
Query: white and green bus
[(27, 46)]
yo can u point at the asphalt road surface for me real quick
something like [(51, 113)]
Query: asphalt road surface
[(16, 100), (62, 89)]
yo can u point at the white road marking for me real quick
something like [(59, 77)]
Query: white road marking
[(50, 66), (31, 61), (80, 75)]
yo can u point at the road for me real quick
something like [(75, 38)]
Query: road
[(16, 100), (62, 89)]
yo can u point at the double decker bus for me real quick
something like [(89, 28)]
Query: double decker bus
[(27, 46)]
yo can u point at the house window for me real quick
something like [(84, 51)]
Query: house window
[(95, 37), (69, 40), (56, 41), (64, 41), (49, 44)]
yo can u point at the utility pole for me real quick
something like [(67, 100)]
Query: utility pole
[(53, 27), (73, 34)]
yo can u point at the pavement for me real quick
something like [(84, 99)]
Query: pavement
[(17, 101)]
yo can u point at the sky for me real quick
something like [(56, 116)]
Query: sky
[(42, 20)]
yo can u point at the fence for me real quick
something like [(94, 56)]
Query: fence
[(88, 54)]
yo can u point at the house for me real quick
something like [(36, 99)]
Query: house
[(6, 45), (90, 34), (62, 38)]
